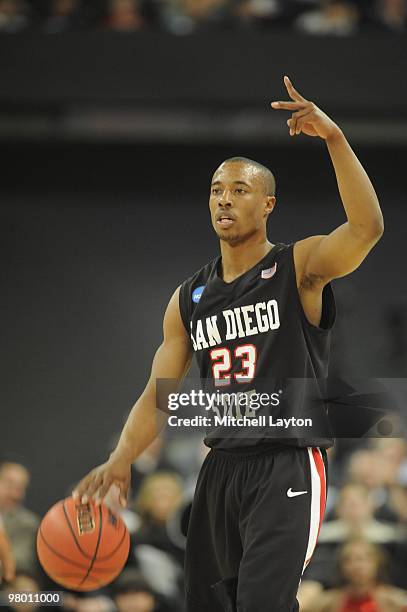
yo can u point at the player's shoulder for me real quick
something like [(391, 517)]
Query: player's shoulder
[(192, 288), (201, 275), (302, 249)]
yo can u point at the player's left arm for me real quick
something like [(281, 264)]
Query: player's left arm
[(343, 250)]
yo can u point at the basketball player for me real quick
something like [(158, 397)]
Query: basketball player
[(259, 311)]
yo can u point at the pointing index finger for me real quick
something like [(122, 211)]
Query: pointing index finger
[(292, 92), (291, 106)]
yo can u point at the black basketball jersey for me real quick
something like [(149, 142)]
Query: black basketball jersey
[(252, 336)]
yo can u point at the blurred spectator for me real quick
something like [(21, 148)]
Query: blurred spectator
[(315, 17), (151, 460), (90, 603), (159, 497), (334, 18), (363, 584), (355, 516), (186, 16), (124, 15), (132, 593), (13, 15), (159, 558), (147, 462), (392, 454), (185, 456), (259, 11), (27, 583), (390, 14), (64, 15), (278, 13), (366, 467), (398, 494), (20, 524), (399, 502), (7, 563)]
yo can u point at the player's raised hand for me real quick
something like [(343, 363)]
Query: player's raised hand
[(96, 484), (306, 117), (7, 563)]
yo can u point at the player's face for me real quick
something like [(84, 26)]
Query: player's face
[(239, 203)]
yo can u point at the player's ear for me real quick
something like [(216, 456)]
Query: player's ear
[(270, 204)]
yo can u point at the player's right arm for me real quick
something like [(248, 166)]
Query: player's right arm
[(145, 421)]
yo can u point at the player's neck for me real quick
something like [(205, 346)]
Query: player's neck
[(238, 259)]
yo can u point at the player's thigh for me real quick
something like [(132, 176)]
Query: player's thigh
[(280, 532), (213, 550)]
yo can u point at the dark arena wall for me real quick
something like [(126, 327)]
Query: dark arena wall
[(95, 240)]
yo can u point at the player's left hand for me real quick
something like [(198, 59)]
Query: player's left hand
[(306, 116)]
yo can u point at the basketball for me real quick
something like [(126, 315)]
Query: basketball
[(82, 546)]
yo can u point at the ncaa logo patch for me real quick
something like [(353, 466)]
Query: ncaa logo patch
[(197, 293)]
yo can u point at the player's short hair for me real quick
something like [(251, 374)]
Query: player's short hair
[(268, 176)]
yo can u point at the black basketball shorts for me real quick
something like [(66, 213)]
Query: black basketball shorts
[(253, 528)]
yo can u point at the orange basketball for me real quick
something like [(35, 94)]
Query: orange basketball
[(82, 546)]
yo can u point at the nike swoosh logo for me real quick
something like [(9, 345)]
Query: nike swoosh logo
[(291, 493)]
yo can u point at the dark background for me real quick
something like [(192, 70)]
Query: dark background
[(104, 211)]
